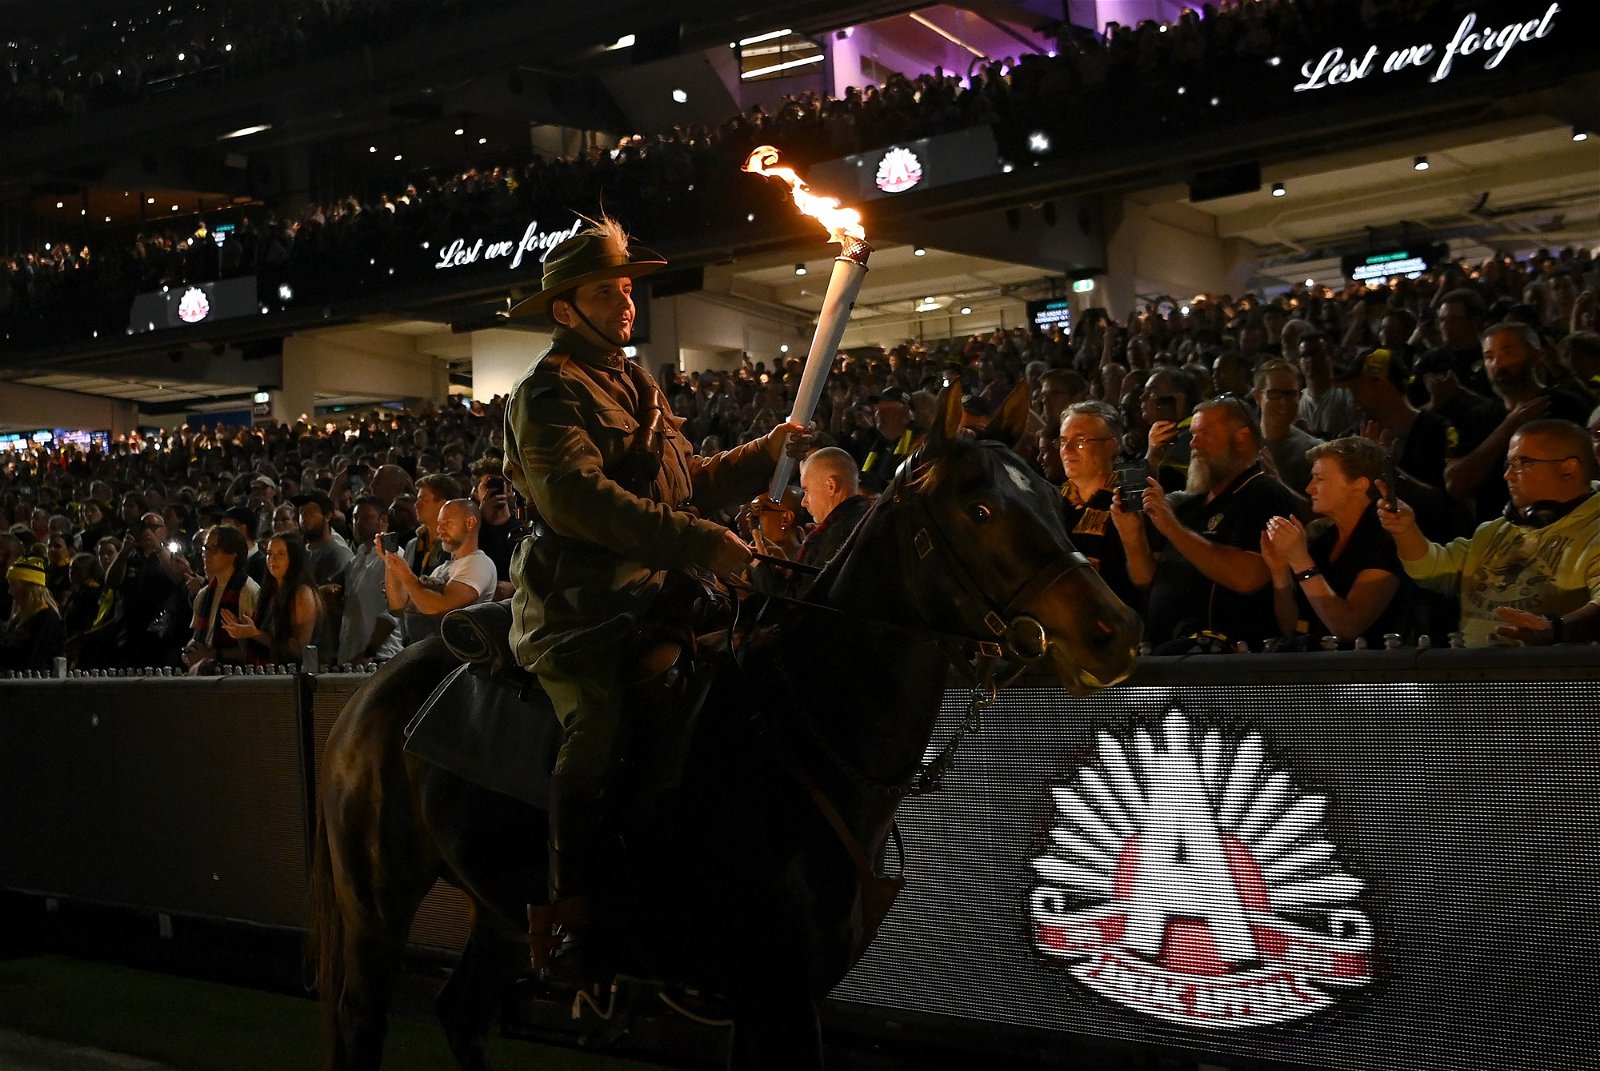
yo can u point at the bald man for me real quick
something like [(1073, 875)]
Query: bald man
[(464, 578), (831, 492)]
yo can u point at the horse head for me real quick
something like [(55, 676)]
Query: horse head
[(985, 540)]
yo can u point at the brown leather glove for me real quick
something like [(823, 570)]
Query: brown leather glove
[(730, 558)]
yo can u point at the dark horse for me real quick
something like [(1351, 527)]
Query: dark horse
[(741, 887)]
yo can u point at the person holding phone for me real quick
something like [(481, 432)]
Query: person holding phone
[(1165, 406), (1097, 506), (500, 530), (368, 631)]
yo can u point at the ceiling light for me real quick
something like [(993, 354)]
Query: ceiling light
[(483, 141), (1278, 190), (799, 269), (1420, 163), (245, 131), (1038, 143), (1275, 61), (149, 200), (772, 36), (372, 148), (1311, 282), (680, 96), (398, 157), (919, 252), (783, 348), (625, 41), (785, 66), (61, 204), (174, 208), (1579, 134), (966, 310), (460, 131)]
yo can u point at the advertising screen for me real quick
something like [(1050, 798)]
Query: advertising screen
[(1371, 875)]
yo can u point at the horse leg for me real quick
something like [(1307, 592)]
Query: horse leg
[(777, 1035), (494, 955)]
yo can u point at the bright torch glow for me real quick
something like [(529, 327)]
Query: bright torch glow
[(844, 226), (842, 223)]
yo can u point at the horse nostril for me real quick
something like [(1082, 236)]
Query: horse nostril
[(1105, 628)]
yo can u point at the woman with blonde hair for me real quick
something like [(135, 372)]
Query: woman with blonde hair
[(33, 636), (1341, 576)]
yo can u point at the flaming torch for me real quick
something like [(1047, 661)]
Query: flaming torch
[(849, 268)]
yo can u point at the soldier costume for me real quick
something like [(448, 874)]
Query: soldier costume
[(615, 494)]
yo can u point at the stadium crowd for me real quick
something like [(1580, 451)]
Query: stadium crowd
[(81, 284), (1314, 469)]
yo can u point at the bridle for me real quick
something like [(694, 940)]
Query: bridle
[(1014, 633)]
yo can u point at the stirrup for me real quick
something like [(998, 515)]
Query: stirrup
[(545, 924)]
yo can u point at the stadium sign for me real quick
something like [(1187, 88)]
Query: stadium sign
[(1191, 881), (1471, 38), (464, 252)]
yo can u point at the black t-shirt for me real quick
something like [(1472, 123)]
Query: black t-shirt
[(1370, 547), (1183, 600), (498, 541), (1091, 530), (1491, 495), (1466, 364)]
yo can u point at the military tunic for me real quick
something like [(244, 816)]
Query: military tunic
[(573, 428)]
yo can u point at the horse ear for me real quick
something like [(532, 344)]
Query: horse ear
[(946, 419), (1009, 424)]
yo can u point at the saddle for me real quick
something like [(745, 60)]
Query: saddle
[(491, 723)]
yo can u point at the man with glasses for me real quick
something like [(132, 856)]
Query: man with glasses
[(1283, 445), (149, 581), (1091, 433), (1533, 574), (1165, 406)]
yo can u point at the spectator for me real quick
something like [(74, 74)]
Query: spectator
[(33, 635), (81, 610), (228, 591), (1166, 407), (148, 578), (464, 578), (368, 632), (831, 492), (423, 553), (1542, 557), (1340, 578), (1511, 354), (891, 440), (11, 549), (1325, 410), (1207, 580), (288, 604), (1451, 377), (1283, 445), (500, 532), (1091, 434), (1420, 442)]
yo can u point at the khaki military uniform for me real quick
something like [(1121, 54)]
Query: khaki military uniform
[(599, 559)]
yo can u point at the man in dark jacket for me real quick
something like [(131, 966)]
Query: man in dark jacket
[(832, 495), (616, 499)]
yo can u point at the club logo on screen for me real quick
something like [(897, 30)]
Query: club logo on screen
[(898, 171), (193, 306), (1190, 880)]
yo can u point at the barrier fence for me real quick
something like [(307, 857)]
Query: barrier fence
[(1371, 859)]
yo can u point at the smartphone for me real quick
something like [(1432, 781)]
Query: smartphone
[(175, 547), (1129, 480), (1391, 480), (391, 542)]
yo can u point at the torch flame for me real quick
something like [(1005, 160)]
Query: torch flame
[(842, 223)]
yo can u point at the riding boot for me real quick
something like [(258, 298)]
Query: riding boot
[(575, 845)]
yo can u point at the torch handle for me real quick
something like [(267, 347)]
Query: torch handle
[(849, 269)]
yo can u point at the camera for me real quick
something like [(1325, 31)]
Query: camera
[(1129, 479), (391, 542)]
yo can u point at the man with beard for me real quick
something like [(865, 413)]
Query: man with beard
[(465, 577), (1511, 354), (1208, 583)]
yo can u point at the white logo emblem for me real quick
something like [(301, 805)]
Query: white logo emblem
[(193, 306), (1189, 880), (898, 171)]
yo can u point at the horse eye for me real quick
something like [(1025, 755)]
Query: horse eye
[(981, 512)]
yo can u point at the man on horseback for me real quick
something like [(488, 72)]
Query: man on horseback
[(616, 497)]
